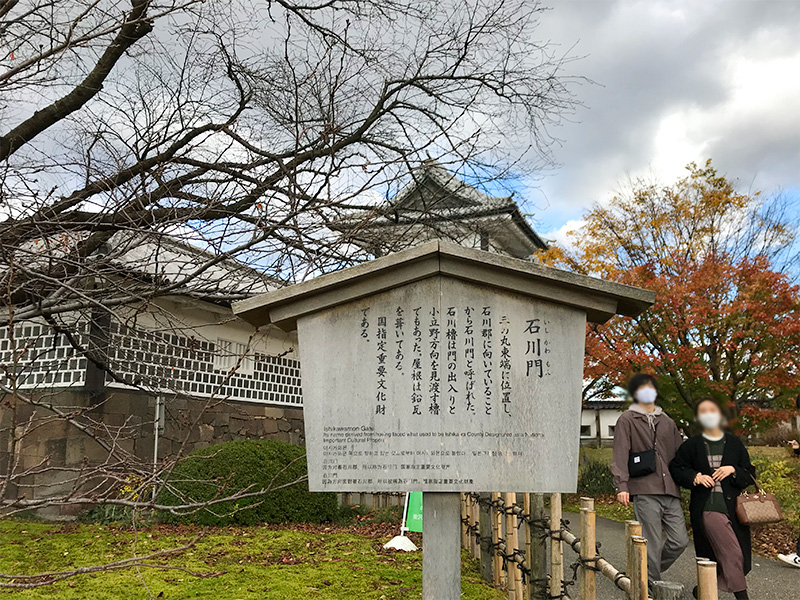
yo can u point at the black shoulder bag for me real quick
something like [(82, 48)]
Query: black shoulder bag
[(641, 464)]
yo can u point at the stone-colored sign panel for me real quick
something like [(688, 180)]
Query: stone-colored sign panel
[(443, 385)]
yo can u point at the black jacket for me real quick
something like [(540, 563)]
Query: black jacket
[(692, 459)]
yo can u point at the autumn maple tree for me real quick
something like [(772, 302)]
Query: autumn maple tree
[(726, 322)]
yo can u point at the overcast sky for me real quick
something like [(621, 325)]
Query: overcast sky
[(676, 81)]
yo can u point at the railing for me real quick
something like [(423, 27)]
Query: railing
[(510, 539)]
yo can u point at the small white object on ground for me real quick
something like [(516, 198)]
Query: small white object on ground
[(401, 542)]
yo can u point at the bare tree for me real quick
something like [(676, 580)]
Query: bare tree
[(202, 149)]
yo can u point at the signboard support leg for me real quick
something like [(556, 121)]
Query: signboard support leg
[(441, 550)]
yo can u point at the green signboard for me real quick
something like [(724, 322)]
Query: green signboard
[(414, 516)]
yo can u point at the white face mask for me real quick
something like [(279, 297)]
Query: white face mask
[(710, 420), (646, 395)]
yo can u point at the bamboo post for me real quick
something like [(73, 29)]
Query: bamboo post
[(588, 577), (512, 543), (497, 534), (632, 529), (526, 508), (707, 580), (464, 529), (556, 547), (485, 524), (639, 574), (476, 544), (537, 548), (587, 503), (668, 590)]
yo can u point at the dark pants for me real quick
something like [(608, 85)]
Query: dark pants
[(798, 546), (730, 560)]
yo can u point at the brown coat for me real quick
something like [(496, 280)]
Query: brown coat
[(634, 433)]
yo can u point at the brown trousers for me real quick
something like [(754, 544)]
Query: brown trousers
[(730, 560)]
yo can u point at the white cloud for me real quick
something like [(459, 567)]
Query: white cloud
[(561, 235), (678, 81)]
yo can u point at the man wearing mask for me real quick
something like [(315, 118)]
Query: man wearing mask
[(645, 441)]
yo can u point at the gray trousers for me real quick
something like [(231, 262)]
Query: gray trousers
[(664, 527)]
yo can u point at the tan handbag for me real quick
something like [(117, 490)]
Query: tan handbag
[(760, 508)]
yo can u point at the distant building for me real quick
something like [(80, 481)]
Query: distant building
[(598, 419), (436, 204)]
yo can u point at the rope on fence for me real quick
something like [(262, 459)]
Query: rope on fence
[(517, 556)]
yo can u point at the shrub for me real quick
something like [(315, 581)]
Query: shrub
[(777, 435), (223, 469), (776, 476), (389, 514), (595, 478)]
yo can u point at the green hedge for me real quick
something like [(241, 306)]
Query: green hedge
[(240, 464), (777, 477), (595, 478)]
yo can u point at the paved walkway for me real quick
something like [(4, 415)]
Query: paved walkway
[(769, 579)]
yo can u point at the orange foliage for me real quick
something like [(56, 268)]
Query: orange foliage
[(724, 324)]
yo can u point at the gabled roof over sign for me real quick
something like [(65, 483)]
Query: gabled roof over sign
[(436, 198), (600, 299)]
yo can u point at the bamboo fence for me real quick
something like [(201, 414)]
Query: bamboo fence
[(521, 551)]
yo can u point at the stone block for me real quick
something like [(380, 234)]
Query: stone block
[(273, 413), (293, 413), (284, 426), (206, 432)]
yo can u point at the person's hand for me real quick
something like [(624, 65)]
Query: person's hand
[(624, 498), (795, 445), (723, 472), (705, 480)]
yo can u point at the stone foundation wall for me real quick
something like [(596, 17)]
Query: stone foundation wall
[(188, 424)]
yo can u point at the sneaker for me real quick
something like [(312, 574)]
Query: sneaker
[(790, 559)]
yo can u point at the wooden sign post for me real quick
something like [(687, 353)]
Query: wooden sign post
[(443, 369)]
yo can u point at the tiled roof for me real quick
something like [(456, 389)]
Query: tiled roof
[(450, 200)]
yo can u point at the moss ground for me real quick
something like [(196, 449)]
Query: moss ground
[(236, 563)]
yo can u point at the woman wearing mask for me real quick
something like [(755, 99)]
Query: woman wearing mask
[(715, 466)]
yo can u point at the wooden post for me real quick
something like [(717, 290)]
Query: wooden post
[(598, 432), (587, 503), (536, 549), (476, 520), (441, 556), (588, 579), (668, 590), (485, 524), (512, 543), (707, 580), (464, 530), (556, 548), (639, 573), (526, 507), (632, 529), (497, 533)]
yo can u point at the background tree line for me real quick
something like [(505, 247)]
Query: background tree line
[(724, 264)]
